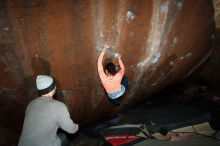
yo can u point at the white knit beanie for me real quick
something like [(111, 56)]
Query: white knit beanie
[(44, 84)]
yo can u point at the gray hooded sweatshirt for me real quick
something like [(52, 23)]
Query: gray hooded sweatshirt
[(43, 117)]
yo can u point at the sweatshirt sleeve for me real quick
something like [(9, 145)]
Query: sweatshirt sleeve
[(65, 122)]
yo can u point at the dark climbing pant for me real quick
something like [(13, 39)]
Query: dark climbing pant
[(125, 81), (63, 139)]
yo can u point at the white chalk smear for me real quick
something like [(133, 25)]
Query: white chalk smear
[(164, 7), (101, 35), (6, 29), (117, 55), (189, 54), (175, 40), (130, 16), (171, 63), (179, 5), (154, 84), (141, 64), (153, 47), (155, 57), (181, 58)]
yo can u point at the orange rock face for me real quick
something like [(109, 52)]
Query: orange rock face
[(161, 41)]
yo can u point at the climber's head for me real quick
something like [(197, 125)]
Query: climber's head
[(110, 69)]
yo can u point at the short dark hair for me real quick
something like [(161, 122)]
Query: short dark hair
[(110, 67)]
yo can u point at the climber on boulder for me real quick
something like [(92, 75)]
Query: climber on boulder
[(112, 79)]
